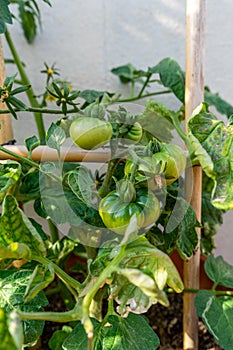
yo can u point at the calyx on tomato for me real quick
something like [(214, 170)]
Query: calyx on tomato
[(173, 161), (146, 166), (90, 133), (126, 190), (117, 214), (147, 173)]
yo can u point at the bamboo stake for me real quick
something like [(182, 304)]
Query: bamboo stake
[(194, 95), (6, 133), (68, 154)]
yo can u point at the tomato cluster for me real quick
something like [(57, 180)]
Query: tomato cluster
[(134, 203)]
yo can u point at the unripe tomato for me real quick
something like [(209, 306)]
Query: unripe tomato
[(90, 133), (134, 132), (116, 214), (174, 161)]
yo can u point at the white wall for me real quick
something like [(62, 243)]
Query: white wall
[(88, 38)]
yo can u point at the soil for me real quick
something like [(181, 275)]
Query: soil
[(166, 322)]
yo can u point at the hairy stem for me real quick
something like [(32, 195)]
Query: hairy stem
[(98, 283), (25, 81), (60, 273)]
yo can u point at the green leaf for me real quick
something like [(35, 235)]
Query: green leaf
[(30, 188), (81, 183), (176, 227), (155, 261), (212, 217), (9, 81), (55, 136), (78, 338), (40, 279), (48, 168), (16, 227), (12, 289), (58, 338), (15, 251), (219, 271), (217, 315), (61, 249), (17, 103), (187, 235), (31, 143), (118, 333), (171, 76), (127, 73), (10, 173), (91, 96), (11, 331), (156, 120), (60, 204), (132, 332), (215, 100), (213, 147), (20, 89), (5, 15), (136, 292), (28, 22), (131, 294)]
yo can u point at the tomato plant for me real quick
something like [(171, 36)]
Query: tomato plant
[(121, 222)]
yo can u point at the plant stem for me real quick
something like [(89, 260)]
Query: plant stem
[(30, 93), (62, 274), (135, 98), (215, 292), (144, 85), (98, 283), (29, 161), (104, 189), (53, 231), (42, 110), (68, 316)]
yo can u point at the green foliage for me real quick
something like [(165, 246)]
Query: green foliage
[(16, 227), (5, 15), (13, 285), (58, 338), (131, 271), (212, 217), (216, 310), (219, 271), (218, 102), (11, 331), (29, 17), (115, 333), (171, 75), (10, 172), (212, 143), (216, 313)]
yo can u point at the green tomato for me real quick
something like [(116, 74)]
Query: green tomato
[(173, 161), (90, 133), (134, 132), (117, 214)]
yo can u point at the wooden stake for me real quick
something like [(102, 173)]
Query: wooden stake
[(6, 133), (68, 154), (194, 95)]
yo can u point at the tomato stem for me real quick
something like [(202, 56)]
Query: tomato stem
[(25, 81), (94, 287)]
